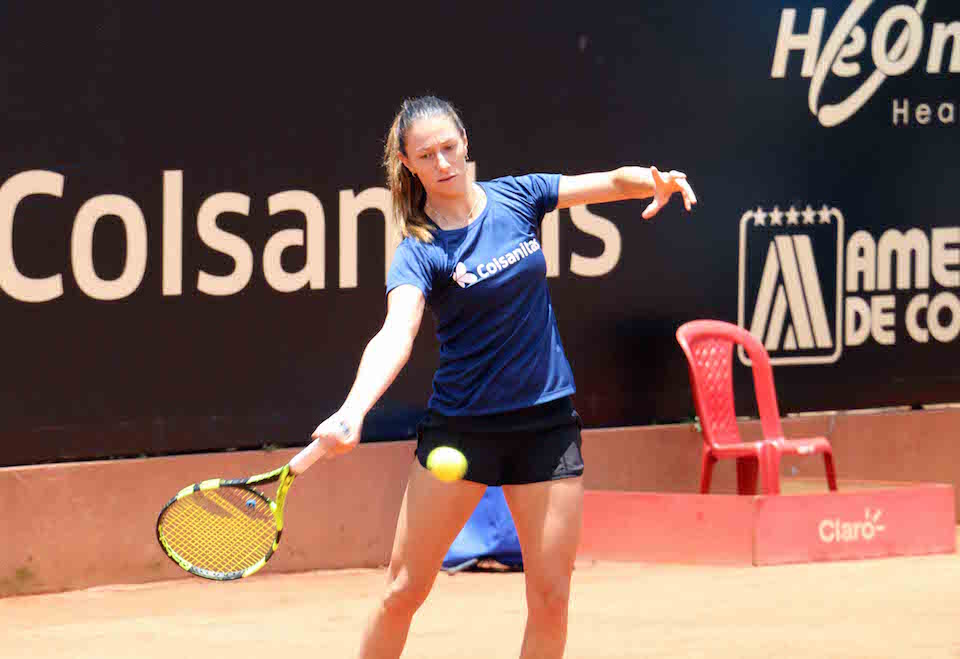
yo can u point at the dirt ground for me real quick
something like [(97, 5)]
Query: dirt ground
[(903, 608)]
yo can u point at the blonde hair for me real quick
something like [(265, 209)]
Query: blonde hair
[(407, 192)]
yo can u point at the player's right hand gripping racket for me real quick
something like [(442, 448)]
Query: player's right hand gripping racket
[(227, 529)]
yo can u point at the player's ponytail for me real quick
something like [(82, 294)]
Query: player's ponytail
[(406, 190)]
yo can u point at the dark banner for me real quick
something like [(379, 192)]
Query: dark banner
[(192, 208)]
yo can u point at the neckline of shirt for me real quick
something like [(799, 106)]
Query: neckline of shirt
[(476, 221)]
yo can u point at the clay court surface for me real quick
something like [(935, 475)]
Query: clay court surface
[(900, 608)]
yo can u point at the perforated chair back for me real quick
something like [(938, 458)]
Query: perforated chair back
[(708, 346)]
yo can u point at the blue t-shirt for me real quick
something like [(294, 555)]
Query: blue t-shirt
[(486, 285)]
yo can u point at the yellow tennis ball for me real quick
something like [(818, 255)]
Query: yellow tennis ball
[(447, 463)]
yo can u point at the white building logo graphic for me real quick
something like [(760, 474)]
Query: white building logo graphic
[(808, 292), (785, 298)]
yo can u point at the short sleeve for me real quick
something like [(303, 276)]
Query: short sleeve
[(542, 190), (410, 265), (530, 195)]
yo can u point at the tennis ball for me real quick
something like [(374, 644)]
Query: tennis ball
[(447, 463)]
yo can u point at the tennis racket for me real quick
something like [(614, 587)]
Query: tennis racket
[(224, 529)]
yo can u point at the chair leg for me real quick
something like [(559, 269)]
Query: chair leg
[(831, 472), (747, 469), (706, 472), (770, 471)]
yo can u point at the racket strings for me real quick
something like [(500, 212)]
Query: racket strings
[(221, 530)]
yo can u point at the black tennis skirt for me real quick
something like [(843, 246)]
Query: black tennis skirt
[(529, 445)]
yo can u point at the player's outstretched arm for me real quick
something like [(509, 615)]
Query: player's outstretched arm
[(383, 358), (626, 183)]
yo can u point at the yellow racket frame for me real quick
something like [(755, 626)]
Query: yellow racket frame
[(283, 474)]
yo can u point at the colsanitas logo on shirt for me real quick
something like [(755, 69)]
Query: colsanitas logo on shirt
[(465, 278)]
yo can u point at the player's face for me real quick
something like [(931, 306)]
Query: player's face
[(437, 154)]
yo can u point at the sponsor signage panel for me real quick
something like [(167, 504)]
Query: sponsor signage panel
[(192, 258), (901, 520)]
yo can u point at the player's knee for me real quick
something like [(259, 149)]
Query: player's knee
[(548, 599), (405, 594)]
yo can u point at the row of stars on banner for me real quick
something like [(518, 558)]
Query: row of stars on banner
[(776, 217)]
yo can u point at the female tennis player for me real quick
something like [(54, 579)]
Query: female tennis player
[(501, 392)]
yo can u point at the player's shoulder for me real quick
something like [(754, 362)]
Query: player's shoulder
[(412, 247), (409, 244), (520, 186), (510, 184)]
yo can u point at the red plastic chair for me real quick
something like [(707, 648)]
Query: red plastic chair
[(708, 345)]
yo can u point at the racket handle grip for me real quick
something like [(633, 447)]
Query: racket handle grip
[(314, 450), (305, 458)]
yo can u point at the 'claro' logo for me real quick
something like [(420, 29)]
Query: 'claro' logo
[(833, 530), (896, 44)]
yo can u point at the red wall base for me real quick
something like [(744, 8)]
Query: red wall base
[(868, 522)]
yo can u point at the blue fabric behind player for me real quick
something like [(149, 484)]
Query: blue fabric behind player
[(489, 533)]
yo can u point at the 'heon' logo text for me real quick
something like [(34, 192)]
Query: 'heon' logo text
[(795, 301), (896, 43), (837, 530)]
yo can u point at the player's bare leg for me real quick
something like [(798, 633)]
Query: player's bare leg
[(431, 516), (548, 517)]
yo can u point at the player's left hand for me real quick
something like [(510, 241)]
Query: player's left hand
[(664, 185)]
